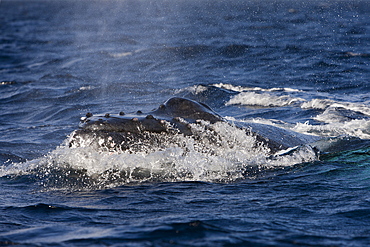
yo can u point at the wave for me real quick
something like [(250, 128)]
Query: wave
[(355, 128), (333, 117), (243, 88), (281, 97), (329, 105), (263, 99)]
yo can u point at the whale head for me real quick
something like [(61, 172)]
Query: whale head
[(125, 131)]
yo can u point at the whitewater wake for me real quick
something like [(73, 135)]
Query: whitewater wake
[(217, 152), (230, 155)]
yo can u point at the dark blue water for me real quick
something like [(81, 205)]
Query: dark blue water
[(298, 65)]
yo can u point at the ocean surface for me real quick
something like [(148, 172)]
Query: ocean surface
[(298, 65)]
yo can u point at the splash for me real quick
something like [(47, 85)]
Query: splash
[(217, 152)]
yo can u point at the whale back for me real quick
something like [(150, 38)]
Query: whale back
[(187, 109), (176, 116)]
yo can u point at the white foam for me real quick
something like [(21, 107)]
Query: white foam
[(337, 117), (195, 89), (121, 54), (326, 103), (317, 104), (263, 99), (357, 128), (332, 128), (223, 157), (340, 118), (124, 53), (243, 89)]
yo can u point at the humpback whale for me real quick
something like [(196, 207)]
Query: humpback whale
[(144, 132)]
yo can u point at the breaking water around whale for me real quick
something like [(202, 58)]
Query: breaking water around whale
[(184, 140), (296, 66)]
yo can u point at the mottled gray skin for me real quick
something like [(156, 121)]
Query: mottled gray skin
[(139, 131), (174, 110), (135, 131)]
